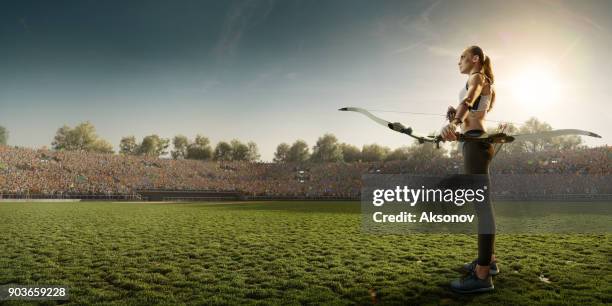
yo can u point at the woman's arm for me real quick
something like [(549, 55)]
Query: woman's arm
[(475, 85)]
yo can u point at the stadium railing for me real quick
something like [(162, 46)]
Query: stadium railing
[(99, 197), (138, 197)]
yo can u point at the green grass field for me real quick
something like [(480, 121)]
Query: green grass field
[(287, 253)]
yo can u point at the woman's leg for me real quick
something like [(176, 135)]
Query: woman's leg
[(477, 157)]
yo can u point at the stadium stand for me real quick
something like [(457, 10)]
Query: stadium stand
[(41, 173)]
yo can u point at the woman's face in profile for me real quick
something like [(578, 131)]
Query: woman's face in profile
[(465, 62)]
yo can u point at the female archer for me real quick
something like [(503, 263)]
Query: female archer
[(475, 101)]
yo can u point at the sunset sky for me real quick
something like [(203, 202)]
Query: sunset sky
[(277, 71)]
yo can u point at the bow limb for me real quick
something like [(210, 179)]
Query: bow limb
[(553, 133), (367, 114), (407, 131)]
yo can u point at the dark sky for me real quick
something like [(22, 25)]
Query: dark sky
[(104, 39)]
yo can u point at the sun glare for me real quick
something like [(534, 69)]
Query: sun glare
[(537, 87)]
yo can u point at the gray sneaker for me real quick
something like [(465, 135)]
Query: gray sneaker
[(472, 284), (493, 268)]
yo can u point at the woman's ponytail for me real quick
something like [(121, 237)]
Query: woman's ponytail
[(487, 68), (488, 71)]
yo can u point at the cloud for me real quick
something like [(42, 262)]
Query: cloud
[(239, 19), (442, 51), (24, 24), (569, 49), (422, 24), (420, 28), (417, 29), (259, 79), (572, 14), (209, 85), (291, 75), (407, 48)]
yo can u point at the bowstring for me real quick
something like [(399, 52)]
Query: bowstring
[(498, 148), (432, 114)]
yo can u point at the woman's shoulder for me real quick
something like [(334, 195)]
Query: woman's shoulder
[(482, 77), (479, 78), (476, 78)]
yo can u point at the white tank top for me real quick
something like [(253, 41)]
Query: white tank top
[(482, 102)]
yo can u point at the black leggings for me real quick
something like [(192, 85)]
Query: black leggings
[(476, 157)]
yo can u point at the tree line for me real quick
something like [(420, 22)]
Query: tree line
[(83, 137), (329, 149), (3, 136)]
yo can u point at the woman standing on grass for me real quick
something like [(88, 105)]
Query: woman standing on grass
[(476, 100)]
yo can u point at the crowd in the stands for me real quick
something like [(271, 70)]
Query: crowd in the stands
[(29, 171)]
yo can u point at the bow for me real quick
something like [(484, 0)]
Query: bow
[(553, 133), (494, 138), (397, 128)]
